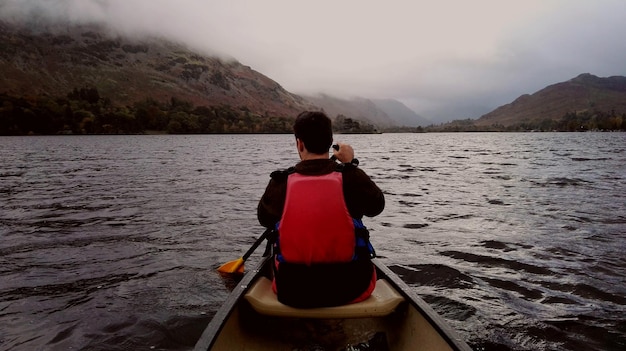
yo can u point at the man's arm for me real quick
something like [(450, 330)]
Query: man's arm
[(363, 196), (270, 208)]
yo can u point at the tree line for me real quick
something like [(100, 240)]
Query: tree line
[(84, 111), (581, 121)]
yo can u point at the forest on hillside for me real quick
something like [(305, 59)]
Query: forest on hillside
[(84, 111), (579, 121)]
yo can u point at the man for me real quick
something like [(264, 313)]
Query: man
[(322, 254)]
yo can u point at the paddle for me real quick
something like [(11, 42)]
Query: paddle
[(236, 266)]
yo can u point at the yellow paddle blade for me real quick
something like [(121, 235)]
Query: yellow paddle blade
[(232, 266)]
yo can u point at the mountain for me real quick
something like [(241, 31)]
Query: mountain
[(379, 112), (585, 94), (55, 59), (400, 113), (355, 108)]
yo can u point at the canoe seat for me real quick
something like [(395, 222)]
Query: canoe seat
[(383, 301)]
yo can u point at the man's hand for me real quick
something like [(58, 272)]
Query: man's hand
[(345, 153)]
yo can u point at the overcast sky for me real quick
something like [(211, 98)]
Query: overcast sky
[(444, 59)]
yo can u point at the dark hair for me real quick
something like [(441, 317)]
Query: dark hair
[(315, 130)]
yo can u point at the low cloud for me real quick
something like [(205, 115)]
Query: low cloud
[(445, 60)]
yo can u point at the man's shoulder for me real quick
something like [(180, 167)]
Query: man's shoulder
[(353, 174), (282, 174)]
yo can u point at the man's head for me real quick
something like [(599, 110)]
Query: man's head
[(315, 130)]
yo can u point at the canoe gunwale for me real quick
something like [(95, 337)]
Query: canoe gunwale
[(209, 336), (437, 322), (217, 323)]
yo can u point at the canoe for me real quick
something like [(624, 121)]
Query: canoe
[(393, 318)]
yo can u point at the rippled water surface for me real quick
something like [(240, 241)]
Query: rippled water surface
[(111, 242)]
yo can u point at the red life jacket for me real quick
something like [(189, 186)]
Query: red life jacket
[(316, 226)]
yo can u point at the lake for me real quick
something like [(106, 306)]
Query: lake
[(112, 242)]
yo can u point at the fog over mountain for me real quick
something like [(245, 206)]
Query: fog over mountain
[(445, 60)]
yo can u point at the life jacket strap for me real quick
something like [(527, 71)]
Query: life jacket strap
[(272, 238), (363, 248)]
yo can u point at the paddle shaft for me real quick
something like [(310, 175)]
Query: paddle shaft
[(333, 157), (256, 244)]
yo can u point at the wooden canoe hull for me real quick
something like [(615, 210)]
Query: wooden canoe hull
[(413, 325)]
